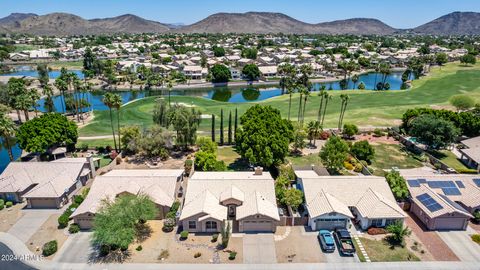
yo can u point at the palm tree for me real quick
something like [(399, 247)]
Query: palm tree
[(108, 101), (344, 98), (398, 232), (313, 129), (327, 97), (301, 91), (170, 82), (386, 70), (7, 131), (321, 94), (117, 104), (306, 94)]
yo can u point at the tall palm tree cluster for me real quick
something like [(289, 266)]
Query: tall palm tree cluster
[(114, 101), (73, 93), (21, 97)]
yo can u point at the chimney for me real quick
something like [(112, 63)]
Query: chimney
[(258, 170)]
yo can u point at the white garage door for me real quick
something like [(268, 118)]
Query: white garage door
[(330, 224), (257, 226)]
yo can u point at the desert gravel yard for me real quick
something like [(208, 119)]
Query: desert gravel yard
[(10, 216), (47, 232), (299, 247)]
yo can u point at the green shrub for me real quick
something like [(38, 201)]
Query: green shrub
[(184, 235), (2, 204), (232, 255), (378, 133), (84, 147), (49, 248), (8, 204), (476, 238), (175, 206), (63, 221), (78, 199), (168, 225), (74, 228), (139, 248), (171, 215), (214, 238), (467, 171)]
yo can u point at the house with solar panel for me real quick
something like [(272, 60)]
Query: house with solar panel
[(444, 202), (471, 152)]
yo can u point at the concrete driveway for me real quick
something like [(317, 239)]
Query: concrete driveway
[(76, 249), (462, 245), (259, 248), (31, 221), (335, 257)]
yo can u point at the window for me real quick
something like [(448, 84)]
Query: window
[(192, 225), (211, 225), (377, 222), (390, 221)]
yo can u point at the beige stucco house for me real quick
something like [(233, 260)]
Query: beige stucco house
[(334, 201), (160, 185), (45, 184), (246, 199)]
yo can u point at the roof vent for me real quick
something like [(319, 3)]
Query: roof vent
[(258, 170)]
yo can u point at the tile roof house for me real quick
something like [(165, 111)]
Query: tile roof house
[(45, 184), (246, 198), (332, 201), (444, 202), (160, 185), (471, 152)]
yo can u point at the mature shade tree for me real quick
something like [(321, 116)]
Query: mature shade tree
[(45, 131), (334, 153), (468, 59), (160, 113), (293, 198), (130, 135), (185, 122), (263, 137), (251, 72), (441, 59), (434, 131), (349, 130), (250, 53), (220, 73), (462, 102), (362, 150), (108, 100), (207, 145), (218, 51), (7, 132)]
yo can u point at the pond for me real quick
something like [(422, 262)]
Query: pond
[(29, 72), (4, 158), (224, 94)]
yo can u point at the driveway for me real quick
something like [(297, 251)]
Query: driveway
[(31, 221), (259, 248), (76, 249), (462, 245), (335, 257)]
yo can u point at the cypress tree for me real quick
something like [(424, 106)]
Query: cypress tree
[(213, 127), (236, 123), (221, 127), (230, 128)]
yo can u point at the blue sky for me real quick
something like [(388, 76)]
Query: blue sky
[(399, 13)]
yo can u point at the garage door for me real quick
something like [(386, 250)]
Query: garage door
[(330, 224), (449, 223), (257, 226), (42, 203)]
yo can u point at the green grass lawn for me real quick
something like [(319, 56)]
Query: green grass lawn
[(393, 155), (449, 159), (95, 143), (26, 47), (365, 108), (306, 160), (381, 251)]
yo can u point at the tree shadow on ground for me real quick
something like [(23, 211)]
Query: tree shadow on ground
[(143, 231)]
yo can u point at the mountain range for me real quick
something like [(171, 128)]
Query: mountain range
[(61, 24)]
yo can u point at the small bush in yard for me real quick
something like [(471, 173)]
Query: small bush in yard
[(49, 248), (232, 255), (476, 238), (2, 204), (74, 228), (196, 255), (164, 254), (139, 248), (184, 235), (168, 225), (214, 238), (8, 204), (63, 221), (78, 199)]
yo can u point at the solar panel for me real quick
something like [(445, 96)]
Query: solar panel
[(452, 203), (477, 181), (441, 184), (413, 183), (451, 191), (422, 181), (429, 202), (460, 184)]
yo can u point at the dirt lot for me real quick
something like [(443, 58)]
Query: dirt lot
[(48, 232), (299, 248), (9, 216), (181, 252)]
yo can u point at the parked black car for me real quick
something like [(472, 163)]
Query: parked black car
[(344, 242)]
